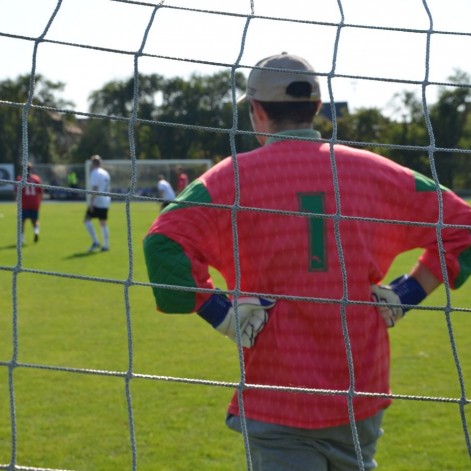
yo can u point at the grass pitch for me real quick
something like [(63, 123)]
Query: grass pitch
[(76, 342)]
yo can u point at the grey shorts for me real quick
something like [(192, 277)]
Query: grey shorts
[(279, 448)]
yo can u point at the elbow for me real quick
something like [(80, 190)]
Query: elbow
[(169, 301)]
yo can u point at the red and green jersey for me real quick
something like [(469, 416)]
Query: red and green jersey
[(31, 196), (315, 226)]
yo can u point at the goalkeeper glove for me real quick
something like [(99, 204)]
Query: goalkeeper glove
[(220, 313), (402, 290)]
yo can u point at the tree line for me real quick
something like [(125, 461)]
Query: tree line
[(171, 113)]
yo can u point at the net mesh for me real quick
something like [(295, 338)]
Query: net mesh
[(331, 73)]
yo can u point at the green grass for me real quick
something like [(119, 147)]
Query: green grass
[(72, 420)]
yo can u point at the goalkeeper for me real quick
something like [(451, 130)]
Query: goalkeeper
[(287, 254)]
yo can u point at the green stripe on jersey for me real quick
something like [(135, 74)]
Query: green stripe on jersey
[(464, 261), (423, 183), (195, 192), (168, 264)]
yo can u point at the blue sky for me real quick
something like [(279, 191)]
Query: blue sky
[(201, 39)]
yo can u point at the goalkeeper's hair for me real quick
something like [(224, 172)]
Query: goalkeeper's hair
[(290, 111), (284, 114)]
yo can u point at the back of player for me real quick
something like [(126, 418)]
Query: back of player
[(165, 191), (98, 204), (182, 179), (31, 198), (316, 226), (300, 256)]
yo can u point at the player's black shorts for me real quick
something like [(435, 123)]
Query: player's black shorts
[(32, 214), (100, 213)]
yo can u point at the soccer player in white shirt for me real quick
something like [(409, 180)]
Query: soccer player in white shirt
[(98, 205), (166, 191)]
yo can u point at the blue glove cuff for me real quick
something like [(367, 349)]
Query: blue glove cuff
[(215, 309), (409, 290)]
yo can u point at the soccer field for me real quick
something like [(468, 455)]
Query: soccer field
[(63, 323)]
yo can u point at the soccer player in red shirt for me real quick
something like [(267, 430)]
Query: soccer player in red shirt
[(183, 179), (31, 198), (303, 232)]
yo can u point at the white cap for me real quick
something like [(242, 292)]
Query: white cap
[(265, 84)]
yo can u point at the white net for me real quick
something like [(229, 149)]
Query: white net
[(364, 52)]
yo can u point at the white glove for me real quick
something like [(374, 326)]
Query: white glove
[(404, 291), (385, 295), (252, 311)]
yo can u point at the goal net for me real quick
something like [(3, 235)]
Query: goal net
[(90, 376)]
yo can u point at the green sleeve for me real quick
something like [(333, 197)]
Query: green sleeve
[(168, 264), (195, 192), (424, 184), (464, 261)]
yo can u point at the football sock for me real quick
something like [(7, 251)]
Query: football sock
[(106, 236), (91, 231)]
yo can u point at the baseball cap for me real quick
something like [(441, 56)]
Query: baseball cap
[(272, 85)]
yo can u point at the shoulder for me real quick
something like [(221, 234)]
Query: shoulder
[(368, 160), (101, 173), (379, 174), (33, 178), (221, 170)]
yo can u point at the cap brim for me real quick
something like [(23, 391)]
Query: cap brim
[(242, 99)]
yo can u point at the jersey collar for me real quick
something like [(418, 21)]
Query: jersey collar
[(301, 133)]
